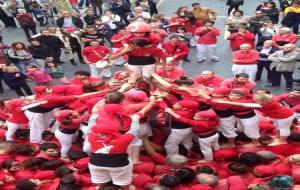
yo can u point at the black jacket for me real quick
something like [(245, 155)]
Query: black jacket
[(232, 2), (89, 20), (40, 52), (285, 4), (76, 21), (52, 41), (263, 57)]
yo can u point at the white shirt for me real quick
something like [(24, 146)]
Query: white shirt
[(109, 21), (144, 14)]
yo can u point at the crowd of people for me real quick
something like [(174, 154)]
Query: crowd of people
[(149, 125)]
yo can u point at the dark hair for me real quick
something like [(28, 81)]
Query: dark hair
[(46, 134), (46, 146), (47, 62), (205, 169), (92, 87), (296, 89), (25, 184), (181, 28), (52, 164), (238, 167), (62, 171), (67, 179), (51, 26), (193, 4), (264, 140), (141, 42), (38, 161), (184, 80), (186, 175), (110, 187), (249, 159), (244, 75), (34, 39), (240, 11), (22, 133), (7, 164), (114, 97), (69, 187), (89, 26), (295, 137), (13, 45), (169, 181), (84, 73), (23, 149), (75, 155), (210, 21)]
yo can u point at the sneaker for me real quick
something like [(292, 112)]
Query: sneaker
[(201, 60), (215, 59)]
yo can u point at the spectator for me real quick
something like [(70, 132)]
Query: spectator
[(148, 6), (203, 13), (256, 22), (283, 63), (266, 33), (16, 81), (56, 72), (207, 42), (97, 4), (72, 46), (236, 19), (103, 29), (19, 56), (40, 52), (38, 75), (26, 22), (91, 34), (243, 36), (90, 17), (53, 42), (269, 9), (68, 21), (233, 4), (121, 8), (245, 61), (285, 3), (291, 17), (283, 37), (138, 15), (114, 21), (263, 61)]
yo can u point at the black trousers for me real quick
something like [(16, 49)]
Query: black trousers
[(260, 67), (276, 78), (231, 7), (27, 28), (23, 86), (78, 51), (56, 55)]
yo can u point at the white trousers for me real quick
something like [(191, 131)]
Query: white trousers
[(38, 122), (209, 51), (11, 129), (65, 141), (96, 72), (248, 69), (142, 70), (250, 127), (227, 126), (176, 137), (284, 125), (208, 144), (85, 130)]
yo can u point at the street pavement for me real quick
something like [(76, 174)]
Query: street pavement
[(192, 68)]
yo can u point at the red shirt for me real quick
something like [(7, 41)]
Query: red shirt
[(245, 58), (201, 127), (289, 99), (231, 83), (16, 114), (117, 44), (276, 110), (207, 36), (75, 122), (280, 40), (91, 56), (191, 27), (236, 39), (179, 21), (172, 75), (54, 100), (76, 81), (179, 49), (213, 82)]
